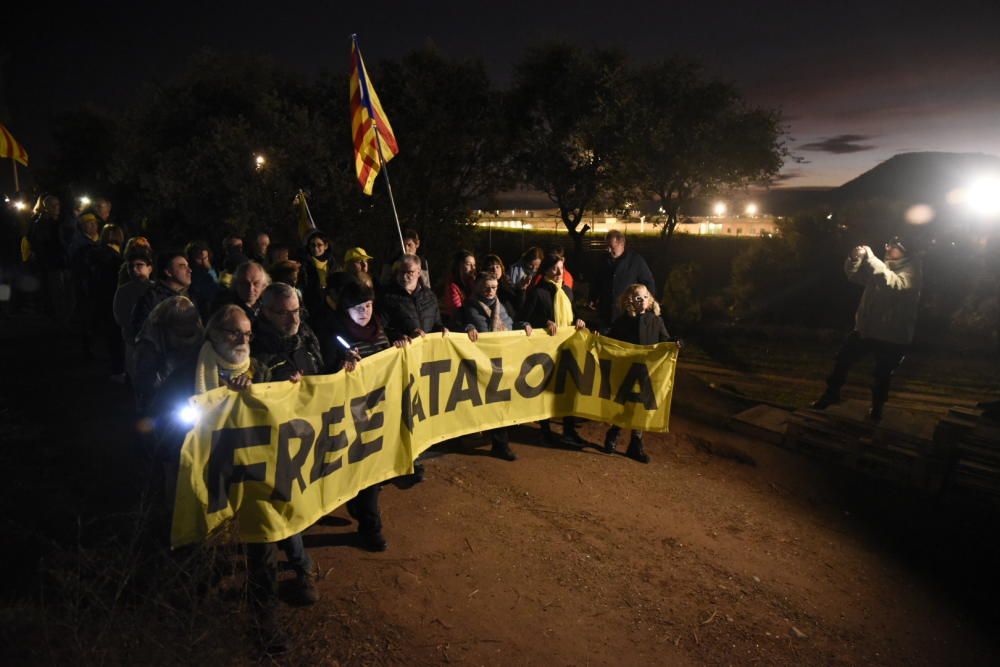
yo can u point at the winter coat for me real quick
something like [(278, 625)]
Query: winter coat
[(280, 357), (888, 308), (149, 300), (539, 307), (472, 315), (644, 329), (614, 277), (404, 313)]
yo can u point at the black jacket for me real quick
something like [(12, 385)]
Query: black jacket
[(614, 276), (404, 313), (228, 296), (280, 357), (539, 307), (150, 300), (645, 329)]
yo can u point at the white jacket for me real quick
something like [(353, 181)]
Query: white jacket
[(888, 308)]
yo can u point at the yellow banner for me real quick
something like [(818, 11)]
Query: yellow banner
[(281, 455)]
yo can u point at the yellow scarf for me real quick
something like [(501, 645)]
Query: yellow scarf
[(206, 373), (561, 306), (320, 265)]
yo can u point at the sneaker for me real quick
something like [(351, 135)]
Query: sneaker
[(304, 591), (374, 541), (825, 401), (503, 452)]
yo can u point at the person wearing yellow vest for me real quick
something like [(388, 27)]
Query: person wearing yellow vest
[(549, 305), (317, 266)]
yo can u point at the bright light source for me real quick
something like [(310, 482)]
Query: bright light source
[(920, 214), (259, 160), (719, 208), (84, 201), (188, 415), (983, 196), (829, 216), (20, 205), (751, 209)]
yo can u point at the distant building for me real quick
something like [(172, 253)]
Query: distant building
[(757, 226)]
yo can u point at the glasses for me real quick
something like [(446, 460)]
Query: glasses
[(286, 313), (639, 298), (237, 335)]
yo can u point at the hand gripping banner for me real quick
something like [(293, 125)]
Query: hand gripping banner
[(280, 455)]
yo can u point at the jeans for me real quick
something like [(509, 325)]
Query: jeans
[(263, 565)]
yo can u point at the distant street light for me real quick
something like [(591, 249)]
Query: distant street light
[(259, 161), (751, 209), (84, 201), (719, 209)]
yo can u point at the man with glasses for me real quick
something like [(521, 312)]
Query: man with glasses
[(617, 272), (283, 347), (884, 322), (408, 307)]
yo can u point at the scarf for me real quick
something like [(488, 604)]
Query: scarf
[(561, 306), (368, 333), (321, 270), (493, 313), (210, 364)]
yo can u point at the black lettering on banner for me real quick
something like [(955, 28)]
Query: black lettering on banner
[(466, 375), (289, 468), (363, 423), (637, 373), (223, 471), (532, 360), (328, 444), (413, 407), (493, 392), (584, 380), (433, 370), (605, 392)]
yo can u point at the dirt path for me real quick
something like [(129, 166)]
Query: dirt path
[(576, 558), (560, 558)]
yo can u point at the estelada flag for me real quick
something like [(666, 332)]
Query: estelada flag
[(369, 126), (10, 148)]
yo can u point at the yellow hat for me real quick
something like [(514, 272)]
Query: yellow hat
[(356, 254)]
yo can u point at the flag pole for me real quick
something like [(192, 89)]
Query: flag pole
[(378, 142), (305, 204), (388, 185)]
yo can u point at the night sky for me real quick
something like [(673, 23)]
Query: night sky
[(857, 82)]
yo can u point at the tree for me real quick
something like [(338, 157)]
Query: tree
[(567, 110), (689, 137), (447, 118), (187, 151)]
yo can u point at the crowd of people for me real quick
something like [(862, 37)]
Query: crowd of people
[(177, 322)]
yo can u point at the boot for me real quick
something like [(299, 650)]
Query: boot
[(374, 541), (826, 400), (611, 440), (635, 450), (548, 436), (271, 638), (503, 451), (875, 412), (304, 591)]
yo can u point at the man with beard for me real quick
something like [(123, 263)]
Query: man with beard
[(283, 344), (884, 322), (224, 360)]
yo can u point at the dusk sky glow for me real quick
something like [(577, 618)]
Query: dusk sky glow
[(857, 82)]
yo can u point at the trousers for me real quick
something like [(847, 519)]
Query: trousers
[(888, 357)]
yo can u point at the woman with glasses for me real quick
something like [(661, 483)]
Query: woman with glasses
[(639, 323)]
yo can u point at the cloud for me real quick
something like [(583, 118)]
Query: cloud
[(840, 144)]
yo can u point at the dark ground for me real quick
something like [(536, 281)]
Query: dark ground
[(562, 557)]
